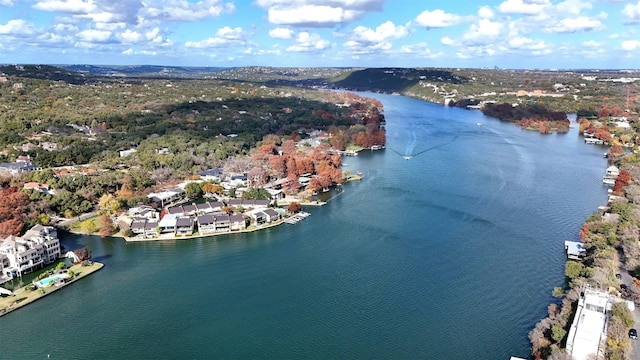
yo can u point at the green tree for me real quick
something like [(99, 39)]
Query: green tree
[(558, 332), (572, 269), (193, 190), (256, 194)]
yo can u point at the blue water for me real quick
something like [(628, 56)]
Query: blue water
[(452, 254)]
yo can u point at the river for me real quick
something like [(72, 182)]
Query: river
[(451, 254)]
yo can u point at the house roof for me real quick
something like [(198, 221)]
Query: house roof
[(190, 208), (168, 220), (175, 210), (236, 218), (270, 212), (151, 225), (221, 217), (184, 221), (206, 219), (212, 172)]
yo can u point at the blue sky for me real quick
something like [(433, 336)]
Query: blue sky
[(309, 33)]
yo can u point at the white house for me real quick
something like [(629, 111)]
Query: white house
[(39, 246)]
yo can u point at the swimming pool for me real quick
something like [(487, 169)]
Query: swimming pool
[(48, 280)]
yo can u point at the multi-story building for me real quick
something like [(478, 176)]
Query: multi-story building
[(23, 254)]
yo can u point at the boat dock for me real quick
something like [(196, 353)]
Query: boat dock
[(297, 217)]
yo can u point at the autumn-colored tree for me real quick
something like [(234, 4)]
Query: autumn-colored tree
[(314, 184), (83, 254), (108, 205), (278, 164), (584, 232), (289, 147), (292, 170), (616, 150), (268, 149), (106, 226), (294, 207), (624, 178), (603, 133), (13, 206)]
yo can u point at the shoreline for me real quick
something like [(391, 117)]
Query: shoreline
[(23, 297)]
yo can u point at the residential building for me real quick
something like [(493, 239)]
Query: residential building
[(588, 332), (184, 226), (23, 254)]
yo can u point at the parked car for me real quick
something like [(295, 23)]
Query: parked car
[(633, 334), (618, 276)]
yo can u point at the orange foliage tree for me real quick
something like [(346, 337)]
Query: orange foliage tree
[(13, 207)]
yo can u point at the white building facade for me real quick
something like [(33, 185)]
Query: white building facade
[(19, 255)]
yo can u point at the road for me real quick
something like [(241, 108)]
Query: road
[(628, 280), (66, 223)]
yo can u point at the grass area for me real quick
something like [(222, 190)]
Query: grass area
[(25, 295), (86, 226), (28, 278)]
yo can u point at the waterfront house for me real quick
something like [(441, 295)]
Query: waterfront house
[(612, 172), (137, 226), (575, 250), (588, 332), (151, 228), (222, 222), (184, 226), (168, 223), (272, 215), (237, 222), (39, 246), (206, 224)]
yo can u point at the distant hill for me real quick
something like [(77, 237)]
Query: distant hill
[(143, 70), (393, 79), (44, 72)]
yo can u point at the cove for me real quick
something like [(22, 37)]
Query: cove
[(451, 254)]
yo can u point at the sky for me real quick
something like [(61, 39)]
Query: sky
[(509, 34)]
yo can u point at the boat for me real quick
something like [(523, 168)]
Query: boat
[(407, 157)]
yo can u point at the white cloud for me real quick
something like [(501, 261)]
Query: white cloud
[(364, 40), (482, 32), (281, 33), (632, 12), (317, 13), (224, 37), (307, 42), (420, 50), (485, 12), (16, 27), (522, 43), (437, 19), (91, 35), (447, 41), (181, 10), (577, 24), (523, 7), (6, 3), (134, 37), (630, 45), (383, 32), (312, 15), (66, 6), (572, 7)]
